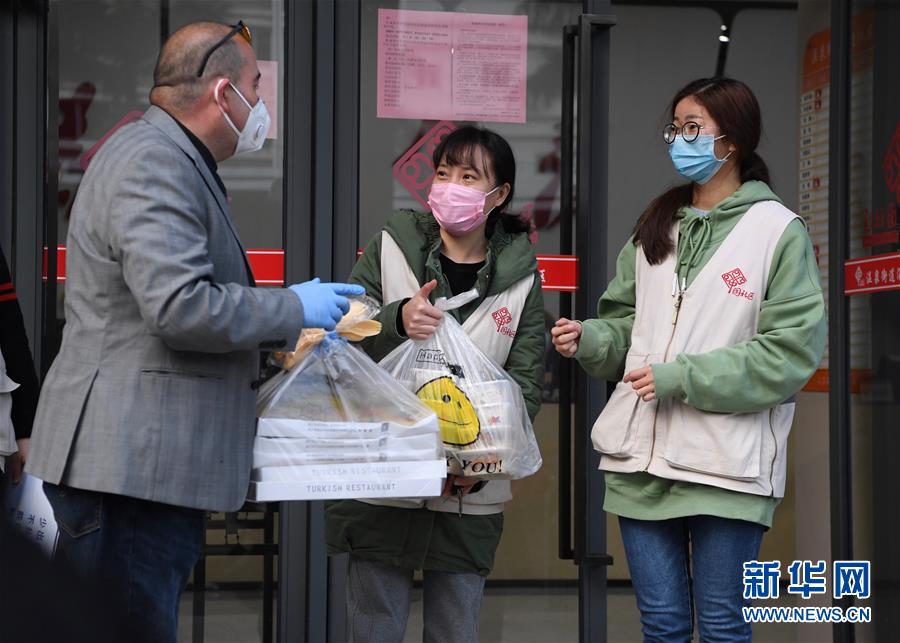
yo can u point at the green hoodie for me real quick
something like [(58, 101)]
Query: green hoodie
[(750, 376)]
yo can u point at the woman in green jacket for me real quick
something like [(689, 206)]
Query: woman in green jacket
[(716, 319), (466, 241)]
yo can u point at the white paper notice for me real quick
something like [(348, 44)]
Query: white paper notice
[(268, 91), (452, 66), (30, 512)]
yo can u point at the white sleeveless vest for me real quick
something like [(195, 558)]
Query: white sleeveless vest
[(492, 326), (743, 452)]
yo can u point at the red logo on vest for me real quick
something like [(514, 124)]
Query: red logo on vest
[(734, 280), (503, 318)]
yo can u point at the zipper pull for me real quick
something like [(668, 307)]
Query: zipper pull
[(677, 308), (678, 293)]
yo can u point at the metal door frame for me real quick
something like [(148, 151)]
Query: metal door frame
[(320, 205), (28, 165)]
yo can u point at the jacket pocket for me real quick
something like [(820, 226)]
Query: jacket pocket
[(193, 417), (780, 420), (727, 445), (165, 372), (615, 431)]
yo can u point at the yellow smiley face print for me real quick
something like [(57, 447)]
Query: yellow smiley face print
[(456, 414)]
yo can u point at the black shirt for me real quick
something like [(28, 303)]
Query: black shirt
[(460, 276), (206, 154), (214, 170)]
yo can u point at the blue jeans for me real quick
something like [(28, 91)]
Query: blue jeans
[(662, 554), (141, 553)]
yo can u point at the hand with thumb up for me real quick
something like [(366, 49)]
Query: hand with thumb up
[(420, 317)]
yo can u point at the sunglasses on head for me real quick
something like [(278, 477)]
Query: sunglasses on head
[(239, 28)]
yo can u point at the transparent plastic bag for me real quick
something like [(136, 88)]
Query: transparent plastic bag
[(484, 425), (335, 425)]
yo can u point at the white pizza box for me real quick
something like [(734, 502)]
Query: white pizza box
[(359, 471), (309, 490), (288, 459), (270, 427), (338, 481), (359, 446), (280, 452)]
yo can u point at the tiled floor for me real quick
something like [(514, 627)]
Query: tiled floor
[(508, 615)]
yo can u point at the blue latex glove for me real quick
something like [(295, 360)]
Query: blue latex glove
[(324, 304)]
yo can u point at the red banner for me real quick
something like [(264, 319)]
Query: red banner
[(860, 380), (267, 266), (878, 273), (559, 273)]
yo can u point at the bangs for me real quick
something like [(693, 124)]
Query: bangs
[(461, 151), (482, 150)]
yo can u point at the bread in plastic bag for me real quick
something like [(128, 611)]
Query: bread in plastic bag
[(484, 425), (335, 406)]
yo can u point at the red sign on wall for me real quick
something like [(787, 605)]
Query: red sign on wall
[(415, 169), (559, 273), (878, 273), (267, 266)]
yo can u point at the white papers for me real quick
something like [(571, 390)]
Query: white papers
[(28, 509)]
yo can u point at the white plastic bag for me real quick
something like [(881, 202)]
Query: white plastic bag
[(337, 426), (481, 412)]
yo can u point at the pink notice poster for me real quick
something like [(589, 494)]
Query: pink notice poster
[(268, 91), (452, 66)]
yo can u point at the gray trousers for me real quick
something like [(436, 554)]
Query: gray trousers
[(378, 598)]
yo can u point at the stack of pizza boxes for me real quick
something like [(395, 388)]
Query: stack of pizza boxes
[(333, 424)]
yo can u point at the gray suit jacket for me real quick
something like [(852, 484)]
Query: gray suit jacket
[(150, 395)]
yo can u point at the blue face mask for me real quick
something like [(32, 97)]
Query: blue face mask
[(696, 161)]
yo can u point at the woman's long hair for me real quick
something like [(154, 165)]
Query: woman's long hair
[(736, 111), (460, 147)]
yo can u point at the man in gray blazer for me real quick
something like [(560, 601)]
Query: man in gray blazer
[(146, 418)]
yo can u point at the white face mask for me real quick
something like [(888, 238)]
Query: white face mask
[(252, 137)]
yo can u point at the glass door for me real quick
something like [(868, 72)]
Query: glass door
[(872, 289), (514, 72)]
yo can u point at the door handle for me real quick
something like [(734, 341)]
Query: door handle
[(567, 214)]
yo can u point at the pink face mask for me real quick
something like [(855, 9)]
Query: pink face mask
[(458, 209)]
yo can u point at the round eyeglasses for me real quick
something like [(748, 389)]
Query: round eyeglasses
[(689, 132)]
